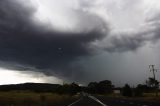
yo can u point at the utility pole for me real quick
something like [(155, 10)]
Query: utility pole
[(152, 69)]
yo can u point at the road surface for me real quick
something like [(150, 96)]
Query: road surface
[(85, 101), (105, 101), (123, 102)]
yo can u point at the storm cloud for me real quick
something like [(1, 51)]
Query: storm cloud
[(72, 34), (26, 45)]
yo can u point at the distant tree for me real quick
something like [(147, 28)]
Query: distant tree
[(151, 82), (75, 88), (92, 87), (92, 84), (127, 91), (105, 87), (139, 90), (71, 89)]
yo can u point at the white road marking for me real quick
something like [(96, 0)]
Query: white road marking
[(75, 102), (95, 99)]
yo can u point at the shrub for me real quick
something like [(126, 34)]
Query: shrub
[(127, 91)]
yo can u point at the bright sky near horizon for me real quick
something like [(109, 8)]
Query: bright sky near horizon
[(16, 77)]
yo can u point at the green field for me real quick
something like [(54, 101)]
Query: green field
[(27, 98)]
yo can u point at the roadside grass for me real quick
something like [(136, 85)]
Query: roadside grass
[(147, 97), (28, 98)]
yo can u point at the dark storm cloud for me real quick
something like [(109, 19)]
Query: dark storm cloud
[(25, 44), (125, 43)]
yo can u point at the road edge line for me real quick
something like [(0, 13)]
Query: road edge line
[(97, 100), (75, 102)]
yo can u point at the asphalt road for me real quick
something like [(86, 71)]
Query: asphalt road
[(105, 101), (85, 101), (123, 102)]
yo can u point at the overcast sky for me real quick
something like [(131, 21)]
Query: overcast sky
[(79, 40)]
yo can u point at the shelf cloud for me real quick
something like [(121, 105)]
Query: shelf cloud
[(35, 46)]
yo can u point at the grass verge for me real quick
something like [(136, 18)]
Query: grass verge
[(27, 98), (147, 97)]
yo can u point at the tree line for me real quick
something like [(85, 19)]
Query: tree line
[(151, 86), (101, 87)]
